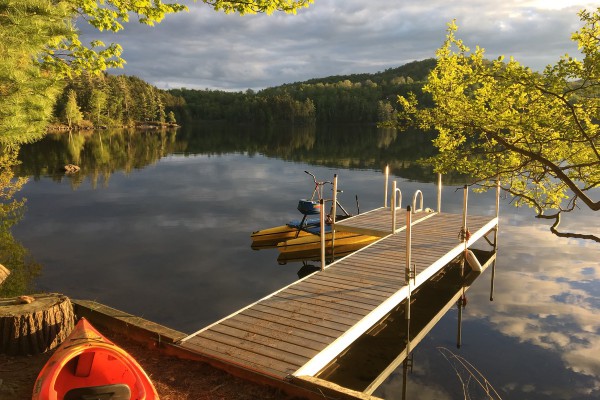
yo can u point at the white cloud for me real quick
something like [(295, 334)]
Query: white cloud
[(205, 49)]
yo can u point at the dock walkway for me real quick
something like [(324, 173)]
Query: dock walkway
[(378, 222), (299, 329)]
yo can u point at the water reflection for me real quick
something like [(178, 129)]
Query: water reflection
[(102, 153), (549, 302), (99, 154), (168, 239), (16, 258), (13, 255), (539, 338)]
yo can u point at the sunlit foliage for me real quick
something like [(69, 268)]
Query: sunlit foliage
[(538, 132)]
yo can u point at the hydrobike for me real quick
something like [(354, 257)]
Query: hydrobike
[(301, 238), (271, 237)]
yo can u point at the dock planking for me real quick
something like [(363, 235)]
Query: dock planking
[(378, 222), (299, 329)]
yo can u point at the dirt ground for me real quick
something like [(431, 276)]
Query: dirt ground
[(174, 379)]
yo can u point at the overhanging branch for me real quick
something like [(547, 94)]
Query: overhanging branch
[(593, 205)]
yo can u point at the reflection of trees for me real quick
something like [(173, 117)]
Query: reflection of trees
[(367, 147), (348, 146), (12, 254), (75, 147), (99, 154), (16, 258), (386, 136), (223, 138)]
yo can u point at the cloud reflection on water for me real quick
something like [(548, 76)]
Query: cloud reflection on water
[(180, 228), (546, 295)]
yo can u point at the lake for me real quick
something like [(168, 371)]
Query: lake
[(158, 224)]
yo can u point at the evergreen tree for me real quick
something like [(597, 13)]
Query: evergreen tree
[(97, 105), (72, 113), (27, 89)]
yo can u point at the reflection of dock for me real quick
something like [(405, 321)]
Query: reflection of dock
[(298, 330)]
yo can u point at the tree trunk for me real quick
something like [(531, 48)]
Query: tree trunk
[(34, 327)]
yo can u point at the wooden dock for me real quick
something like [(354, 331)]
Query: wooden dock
[(378, 222), (298, 330), (389, 344)]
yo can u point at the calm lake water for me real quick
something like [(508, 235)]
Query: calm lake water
[(158, 225)]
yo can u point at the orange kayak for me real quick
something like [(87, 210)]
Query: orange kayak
[(88, 365)]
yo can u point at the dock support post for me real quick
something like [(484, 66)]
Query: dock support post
[(439, 193), (495, 238), (492, 280), (407, 274), (385, 190), (497, 213), (465, 238), (407, 365), (464, 235), (465, 201), (404, 377), (333, 214), (322, 221), (393, 207), (407, 270), (459, 332)]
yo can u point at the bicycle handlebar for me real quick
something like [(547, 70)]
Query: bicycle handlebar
[(317, 182)]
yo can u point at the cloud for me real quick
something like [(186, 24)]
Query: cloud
[(206, 49)]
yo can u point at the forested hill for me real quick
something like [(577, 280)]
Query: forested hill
[(365, 98), (415, 71), (109, 100)]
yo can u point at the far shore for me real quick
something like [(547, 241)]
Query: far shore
[(89, 126)]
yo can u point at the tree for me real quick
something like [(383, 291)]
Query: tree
[(72, 113), (97, 104), (27, 90), (537, 132), (171, 118), (161, 110), (385, 111), (40, 46)]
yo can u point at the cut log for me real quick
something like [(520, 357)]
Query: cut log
[(35, 327), (4, 272)]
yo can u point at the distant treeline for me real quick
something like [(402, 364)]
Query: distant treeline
[(108, 100), (357, 98)]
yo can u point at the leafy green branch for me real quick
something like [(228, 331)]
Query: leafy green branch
[(537, 132)]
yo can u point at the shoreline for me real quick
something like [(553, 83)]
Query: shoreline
[(57, 128), (176, 373)]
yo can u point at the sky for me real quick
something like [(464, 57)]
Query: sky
[(205, 49)]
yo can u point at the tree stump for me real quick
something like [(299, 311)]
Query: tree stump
[(35, 327)]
